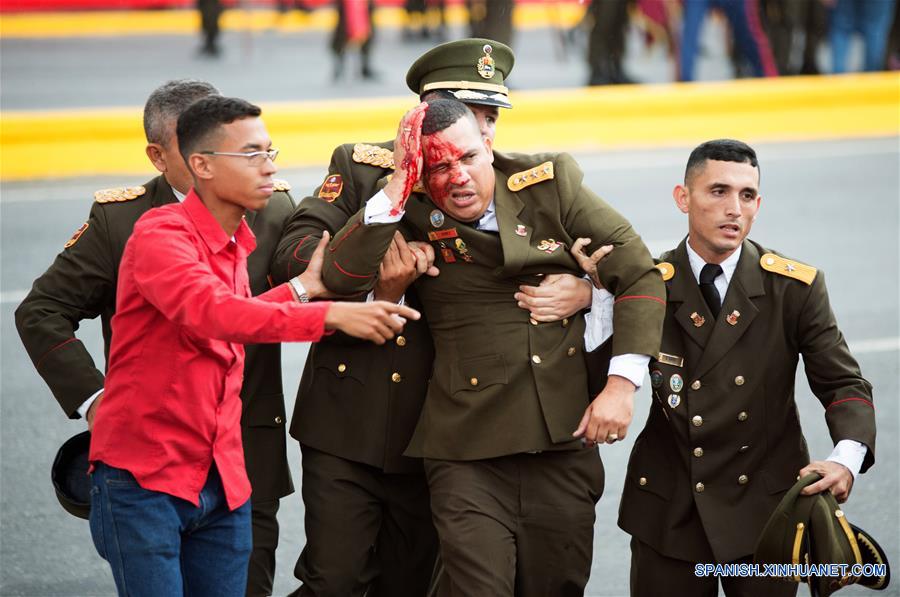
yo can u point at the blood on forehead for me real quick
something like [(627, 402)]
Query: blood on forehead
[(440, 152)]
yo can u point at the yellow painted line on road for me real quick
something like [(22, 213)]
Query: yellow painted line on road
[(50, 144), (182, 22)]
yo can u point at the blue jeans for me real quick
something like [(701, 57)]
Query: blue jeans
[(871, 18), (162, 546)]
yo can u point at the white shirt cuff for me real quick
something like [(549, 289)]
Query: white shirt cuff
[(850, 453), (371, 297), (630, 366), (598, 322), (378, 210), (86, 405)]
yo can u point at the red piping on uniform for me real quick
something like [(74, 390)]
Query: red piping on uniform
[(632, 297), (346, 273), (751, 10), (335, 245), (46, 354), (869, 402), (299, 245)]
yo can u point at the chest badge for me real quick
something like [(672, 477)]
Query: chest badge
[(674, 400), (698, 319), (442, 234), (521, 230), (733, 317), (548, 246), (656, 378), (436, 218), (463, 250), (676, 383)]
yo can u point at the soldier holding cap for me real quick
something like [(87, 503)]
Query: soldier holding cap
[(368, 519), (722, 443)]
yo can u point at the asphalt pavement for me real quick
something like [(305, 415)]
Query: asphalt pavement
[(831, 204)]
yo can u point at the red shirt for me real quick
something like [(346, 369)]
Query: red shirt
[(171, 403)]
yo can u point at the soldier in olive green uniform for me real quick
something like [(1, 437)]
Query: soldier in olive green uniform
[(81, 284), (722, 443), (512, 490), (358, 403)]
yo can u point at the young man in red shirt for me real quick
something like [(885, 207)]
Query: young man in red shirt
[(170, 507)]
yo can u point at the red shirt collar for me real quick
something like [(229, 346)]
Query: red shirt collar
[(209, 228)]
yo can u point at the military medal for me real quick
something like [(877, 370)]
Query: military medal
[(656, 378), (548, 246), (447, 254), (436, 218), (485, 66), (674, 400), (676, 383), (698, 319), (463, 250), (521, 230), (732, 318)]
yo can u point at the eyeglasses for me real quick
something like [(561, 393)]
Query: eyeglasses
[(254, 158)]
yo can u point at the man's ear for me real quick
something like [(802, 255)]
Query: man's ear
[(157, 156), (682, 200), (200, 166), (489, 144)]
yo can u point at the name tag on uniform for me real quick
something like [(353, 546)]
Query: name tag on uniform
[(671, 359), (442, 234)]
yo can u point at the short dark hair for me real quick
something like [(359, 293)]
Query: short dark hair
[(722, 150), (443, 113), (203, 118), (168, 101)]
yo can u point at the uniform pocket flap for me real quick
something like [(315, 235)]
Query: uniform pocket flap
[(477, 373), (263, 410), (343, 365)]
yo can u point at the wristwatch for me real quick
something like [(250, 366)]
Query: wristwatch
[(298, 287)]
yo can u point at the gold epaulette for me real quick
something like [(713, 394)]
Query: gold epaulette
[(118, 194), (280, 185), (666, 269), (526, 178), (788, 267), (373, 155)]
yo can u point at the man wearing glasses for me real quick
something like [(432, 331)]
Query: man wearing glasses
[(81, 284)]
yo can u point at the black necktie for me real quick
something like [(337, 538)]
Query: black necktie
[(708, 289)]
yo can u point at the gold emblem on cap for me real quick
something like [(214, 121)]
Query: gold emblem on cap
[(485, 64)]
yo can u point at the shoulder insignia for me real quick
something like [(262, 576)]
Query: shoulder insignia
[(526, 178), (666, 269), (788, 267), (76, 236), (118, 194), (373, 155), (331, 188), (280, 185)]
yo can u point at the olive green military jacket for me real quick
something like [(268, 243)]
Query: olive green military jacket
[(722, 442), (81, 284), (357, 400), (503, 384)]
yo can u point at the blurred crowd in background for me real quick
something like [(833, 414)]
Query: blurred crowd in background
[(767, 37)]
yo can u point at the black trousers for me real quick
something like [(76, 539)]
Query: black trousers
[(656, 575), (367, 532), (261, 572), (518, 525)]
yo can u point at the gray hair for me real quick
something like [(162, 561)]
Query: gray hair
[(166, 104)]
